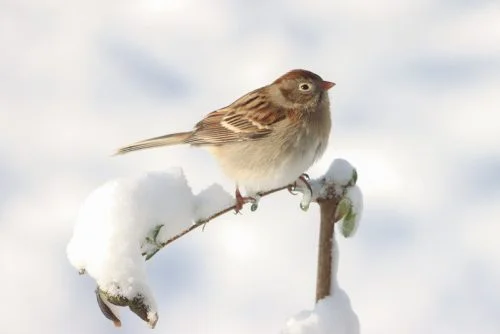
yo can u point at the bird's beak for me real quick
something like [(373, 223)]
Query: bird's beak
[(326, 85)]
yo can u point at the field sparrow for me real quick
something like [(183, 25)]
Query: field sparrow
[(268, 137)]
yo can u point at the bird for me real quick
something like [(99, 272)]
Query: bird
[(265, 139)]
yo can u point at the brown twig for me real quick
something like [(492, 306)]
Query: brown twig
[(204, 221), (328, 207)]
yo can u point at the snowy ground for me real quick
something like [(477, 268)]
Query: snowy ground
[(415, 109)]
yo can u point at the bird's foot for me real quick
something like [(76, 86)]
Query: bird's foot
[(255, 201), (302, 185), (240, 201), (305, 179), (295, 187)]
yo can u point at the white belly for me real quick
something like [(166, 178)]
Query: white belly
[(263, 165)]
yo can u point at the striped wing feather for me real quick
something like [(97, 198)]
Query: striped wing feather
[(251, 117)]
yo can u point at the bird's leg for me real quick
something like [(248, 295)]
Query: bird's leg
[(240, 200)]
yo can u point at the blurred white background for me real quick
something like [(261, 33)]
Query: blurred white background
[(416, 110)]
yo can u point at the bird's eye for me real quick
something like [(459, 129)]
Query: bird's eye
[(305, 87)]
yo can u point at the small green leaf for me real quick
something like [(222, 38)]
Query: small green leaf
[(142, 309), (354, 178), (105, 309), (138, 305), (156, 231), (342, 208), (349, 224)]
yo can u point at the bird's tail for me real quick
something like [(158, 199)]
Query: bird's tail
[(167, 140)]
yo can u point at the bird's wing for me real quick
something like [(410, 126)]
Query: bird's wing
[(250, 117)]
